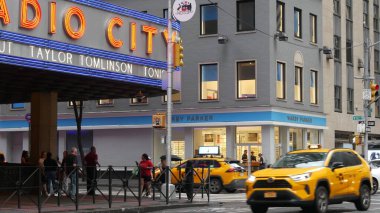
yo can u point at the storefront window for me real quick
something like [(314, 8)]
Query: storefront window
[(210, 137), (178, 148), (277, 142), (295, 139), (312, 136), (248, 136)]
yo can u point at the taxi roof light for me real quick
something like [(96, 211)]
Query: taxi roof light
[(315, 146)]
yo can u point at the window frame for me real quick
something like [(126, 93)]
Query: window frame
[(200, 82), (237, 79), (316, 86), (132, 103), (313, 30), (238, 18), (339, 109), (201, 19), (280, 5), (299, 23), (164, 99), (350, 101), (301, 83), (284, 80)]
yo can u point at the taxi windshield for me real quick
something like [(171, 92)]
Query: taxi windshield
[(301, 160)]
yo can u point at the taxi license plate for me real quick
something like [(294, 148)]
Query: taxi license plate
[(270, 195)]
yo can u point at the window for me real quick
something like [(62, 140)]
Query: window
[(245, 15), (209, 19), (349, 9), (350, 100), (17, 106), (313, 87), (105, 102), (297, 23), (313, 28), (336, 157), (376, 16), (280, 80), (246, 79), (337, 7), (209, 82), (144, 11), (176, 97), (338, 98), (298, 84), (71, 104), (365, 14), (136, 101), (350, 159), (336, 47), (280, 16), (165, 14), (349, 51)]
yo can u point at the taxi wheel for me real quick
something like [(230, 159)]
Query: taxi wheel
[(321, 200), (259, 209), (364, 200), (375, 186), (215, 186)]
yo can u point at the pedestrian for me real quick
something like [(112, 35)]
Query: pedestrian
[(50, 171), (71, 164), (2, 158), (261, 161), (189, 180), (146, 167), (25, 158), (62, 171), (244, 157), (162, 166), (43, 175), (253, 157), (91, 161)]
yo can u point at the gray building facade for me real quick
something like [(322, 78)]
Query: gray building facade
[(253, 77)]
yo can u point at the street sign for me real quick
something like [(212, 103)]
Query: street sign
[(367, 94), (371, 123), (357, 118), (360, 128)]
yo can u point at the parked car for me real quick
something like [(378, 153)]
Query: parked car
[(312, 179), (375, 171), (224, 174)]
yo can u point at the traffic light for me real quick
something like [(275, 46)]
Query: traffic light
[(358, 140), (159, 120), (374, 91), (178, 54)]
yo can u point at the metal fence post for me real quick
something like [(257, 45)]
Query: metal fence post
[(39, 190), (140, 189), (125, 183), (109, 187), (19, 188), (167, 184), (76, 188)]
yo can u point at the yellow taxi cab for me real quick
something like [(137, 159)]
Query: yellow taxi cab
[(312, 179), (224, 174)]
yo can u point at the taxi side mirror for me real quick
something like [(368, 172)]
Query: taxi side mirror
[(337, 165)]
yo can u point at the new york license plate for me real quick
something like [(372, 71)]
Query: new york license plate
[(270, 195)]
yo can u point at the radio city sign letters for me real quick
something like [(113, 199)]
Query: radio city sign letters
[(132, 41)]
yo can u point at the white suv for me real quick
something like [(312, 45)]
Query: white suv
[(375, 171)]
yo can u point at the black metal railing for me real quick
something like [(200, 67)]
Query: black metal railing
[(24, 185)]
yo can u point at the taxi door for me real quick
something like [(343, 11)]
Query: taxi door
[(354, 170), (338, 177)]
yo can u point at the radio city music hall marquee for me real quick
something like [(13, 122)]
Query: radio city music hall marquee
[(92, 35)]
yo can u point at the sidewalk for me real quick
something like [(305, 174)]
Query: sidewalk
[(29, 204)]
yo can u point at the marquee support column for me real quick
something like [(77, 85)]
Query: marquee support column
[(43, 124)]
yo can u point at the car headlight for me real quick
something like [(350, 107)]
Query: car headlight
[(301, 177), (252, 178)]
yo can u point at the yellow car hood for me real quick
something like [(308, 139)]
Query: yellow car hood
[(284, 172)]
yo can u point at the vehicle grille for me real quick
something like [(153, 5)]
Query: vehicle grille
[(275, 184)]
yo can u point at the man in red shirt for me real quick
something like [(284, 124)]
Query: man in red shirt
[(146, 167), (91, 161)]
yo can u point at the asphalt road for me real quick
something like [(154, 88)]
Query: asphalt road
[(236, 203)]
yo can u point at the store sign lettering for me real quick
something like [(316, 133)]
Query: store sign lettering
[(192, 118), (299, 119)]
